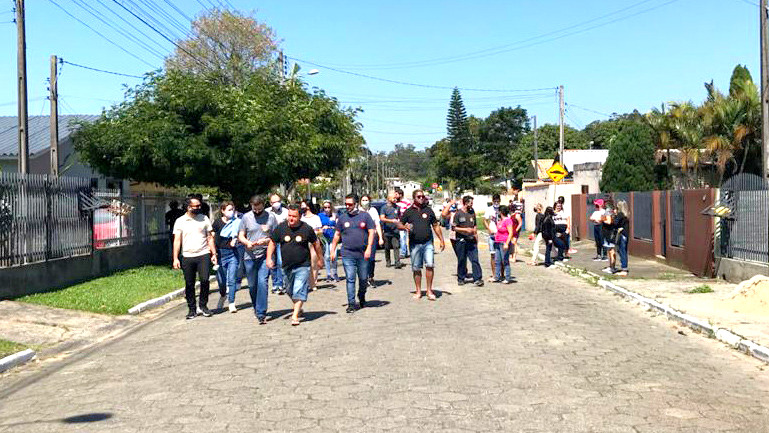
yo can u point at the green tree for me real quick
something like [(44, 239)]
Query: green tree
[(456, 158), (181, 130), (630, 165), (224, 45), (501, 133)]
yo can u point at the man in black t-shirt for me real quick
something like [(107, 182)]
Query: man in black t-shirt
[(420, 222), (295, 238), (466, 246)]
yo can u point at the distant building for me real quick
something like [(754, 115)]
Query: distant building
[(408, 186), (40, 149)]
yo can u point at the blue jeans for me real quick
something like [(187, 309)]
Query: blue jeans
[(277, 273), (355, 266), (257, 273), (600, 251), (501, 261), (559, 245), (372, 260), (297, 282), (622, 251), (404, 243), (227, 275), (422, 254), (330, 264), (468, 250)]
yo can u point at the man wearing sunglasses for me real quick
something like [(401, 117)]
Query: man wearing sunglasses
[(356, 230), (328, 219), (420, 222)]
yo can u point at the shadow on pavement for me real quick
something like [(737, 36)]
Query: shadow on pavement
[(76, 419), (376, 304), (309, 316)]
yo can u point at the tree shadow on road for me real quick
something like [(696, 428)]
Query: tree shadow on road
[(76, 419)]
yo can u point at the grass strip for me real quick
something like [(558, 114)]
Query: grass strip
[(9, 348), (113, 294)]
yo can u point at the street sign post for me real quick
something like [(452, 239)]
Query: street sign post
[(556, 172)]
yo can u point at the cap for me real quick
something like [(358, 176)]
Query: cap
[(598, 201)]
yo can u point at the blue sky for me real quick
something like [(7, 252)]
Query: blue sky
[(611, 55)]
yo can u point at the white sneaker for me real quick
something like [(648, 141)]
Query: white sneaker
[(233, 308), (608, 270)]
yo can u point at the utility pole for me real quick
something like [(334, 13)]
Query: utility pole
[(21, 64), (282, 66), (764, 91), (54, 125), (536, 155), (560, 132)]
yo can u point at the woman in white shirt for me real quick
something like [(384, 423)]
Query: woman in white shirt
[(597, 218), (365, 204)]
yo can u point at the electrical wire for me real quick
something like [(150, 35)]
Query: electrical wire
[(138, 30), (428, 86), (100, 70), (158, 32), (112, 24), (514, 45), (120, 47), (588, 109)]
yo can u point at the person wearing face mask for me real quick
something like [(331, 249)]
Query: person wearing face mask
[(280, 213), (328, 219), (193, 236), (226, 240), (356, 231), (255, 230), (390, 217), (365, 204), (466, 248)]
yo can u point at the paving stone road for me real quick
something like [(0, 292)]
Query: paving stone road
[(549, 354)]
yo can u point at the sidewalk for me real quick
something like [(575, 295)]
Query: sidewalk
[(672, 286)]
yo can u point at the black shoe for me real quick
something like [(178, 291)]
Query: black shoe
[(262, 320), (398, 265), (478, 283), (362, 302), (461, 282), (205, 312), (350, 309), (371, 282), (191, 314)]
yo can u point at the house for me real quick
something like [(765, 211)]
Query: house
[(40, 149)]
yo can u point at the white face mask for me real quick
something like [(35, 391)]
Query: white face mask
[(364, 204), (229, 213), (276, 206)]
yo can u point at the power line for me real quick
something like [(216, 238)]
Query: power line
[(507, 47), (402, 133), (179, 11), (750, 3), (158, 32), (100, 70), (405, 83), (110, 23), (102, 35), (588, 109), (138, 30)]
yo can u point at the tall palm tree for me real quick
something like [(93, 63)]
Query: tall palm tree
[(658, 120), (687, 134)]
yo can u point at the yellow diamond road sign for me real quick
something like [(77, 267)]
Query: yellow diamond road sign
[(557, 172)]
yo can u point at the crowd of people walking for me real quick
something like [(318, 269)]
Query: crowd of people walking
[(291, 245)]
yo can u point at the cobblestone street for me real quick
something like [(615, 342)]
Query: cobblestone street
[(548, 354)]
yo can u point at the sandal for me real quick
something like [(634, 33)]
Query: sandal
[(295, 322), (431, 297)]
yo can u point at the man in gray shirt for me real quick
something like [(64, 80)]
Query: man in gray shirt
[(255, 230)]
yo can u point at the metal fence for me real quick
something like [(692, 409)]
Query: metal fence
[(744, 233), (44, 218), (40, 218), (642, 215)]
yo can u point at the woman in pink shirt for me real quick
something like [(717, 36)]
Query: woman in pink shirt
[(502, 240)]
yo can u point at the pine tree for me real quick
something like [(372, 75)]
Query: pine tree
[(630, 165), (459, 159)]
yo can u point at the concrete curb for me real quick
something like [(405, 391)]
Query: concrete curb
[(702, 326), (162, 300), (16, 359)]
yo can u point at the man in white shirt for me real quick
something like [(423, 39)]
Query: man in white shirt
[(280, 213), (403, 205), (193, 235)]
